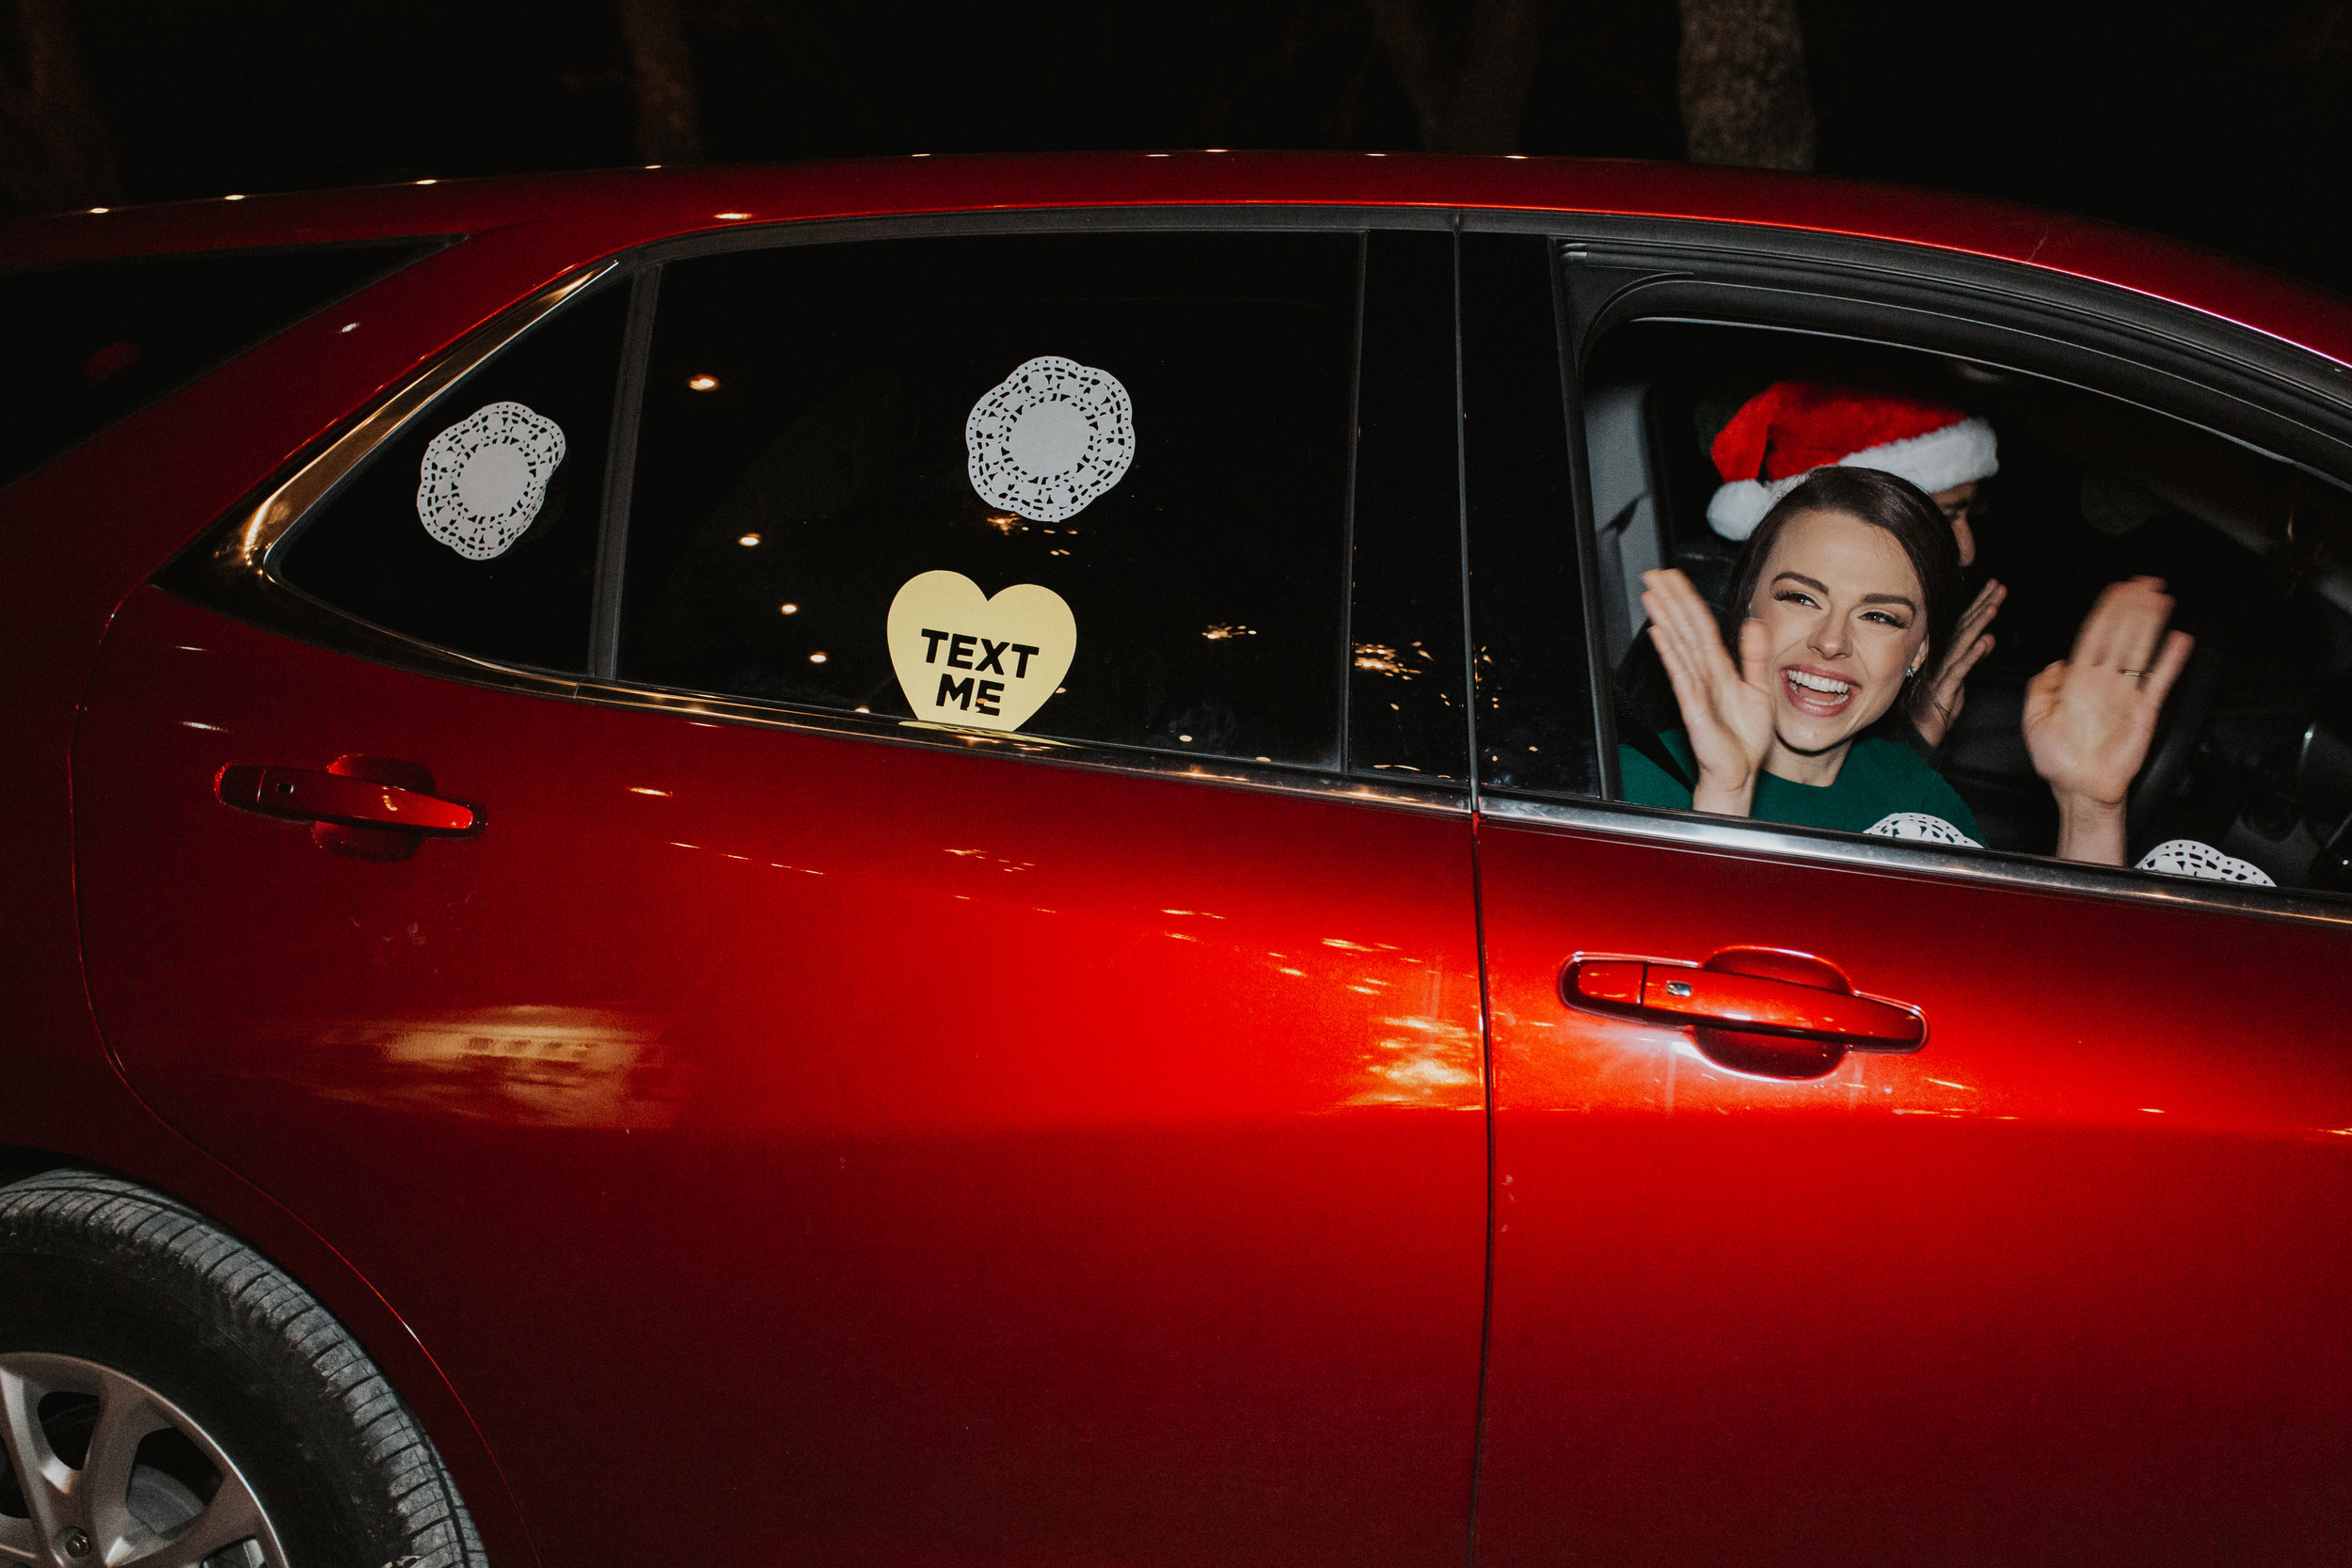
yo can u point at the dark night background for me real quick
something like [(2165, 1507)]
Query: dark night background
[(2222, 126)]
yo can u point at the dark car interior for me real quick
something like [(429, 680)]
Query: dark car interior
[(2253, 755)]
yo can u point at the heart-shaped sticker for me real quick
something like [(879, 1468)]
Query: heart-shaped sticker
[(965, 659)]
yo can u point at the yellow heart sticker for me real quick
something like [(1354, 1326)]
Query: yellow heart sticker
[(965, 659)]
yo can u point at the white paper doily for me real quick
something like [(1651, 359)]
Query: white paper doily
[(1049, 438), (485, 477), (2187, 857), (1920, 825)]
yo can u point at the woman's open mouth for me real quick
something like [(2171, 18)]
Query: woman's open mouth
[(1811, 691)]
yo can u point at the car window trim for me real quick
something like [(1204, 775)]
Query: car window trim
[(1785, 842)]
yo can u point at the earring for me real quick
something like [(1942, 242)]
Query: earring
[(1913, 671)]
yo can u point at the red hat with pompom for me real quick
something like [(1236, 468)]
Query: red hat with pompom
[(1791, 428)]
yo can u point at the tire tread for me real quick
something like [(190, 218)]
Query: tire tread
[(243, 1294)]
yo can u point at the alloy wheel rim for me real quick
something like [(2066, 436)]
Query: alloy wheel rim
[(99, 1470)]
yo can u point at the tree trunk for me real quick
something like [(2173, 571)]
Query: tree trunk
[(1468, 99), (53, 153), (661, 75), (1741, 82)]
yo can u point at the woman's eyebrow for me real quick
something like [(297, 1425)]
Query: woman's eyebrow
[(1822, 589)]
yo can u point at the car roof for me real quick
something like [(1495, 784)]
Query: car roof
[(602, 212)]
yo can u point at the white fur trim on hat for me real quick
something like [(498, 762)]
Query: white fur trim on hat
[(1956, 455), (1738, 507)]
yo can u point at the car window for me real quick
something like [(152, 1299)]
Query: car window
[(1088, 486), (476, 528), (2250, 769), (91, 342)]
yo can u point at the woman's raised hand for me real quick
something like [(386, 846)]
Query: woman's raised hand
[(1726, 709), (2090, 716), (1969, 645)]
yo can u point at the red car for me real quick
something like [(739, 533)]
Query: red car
[(633, 900)]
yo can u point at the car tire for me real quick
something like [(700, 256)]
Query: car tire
[(163, 1386)]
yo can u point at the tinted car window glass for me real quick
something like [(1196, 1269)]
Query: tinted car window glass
[(804, 456), (1533, 696), (90, 343), (477, 528), (2252, 754), (1404, 663)]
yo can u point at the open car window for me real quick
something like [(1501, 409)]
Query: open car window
[(2250, 775)]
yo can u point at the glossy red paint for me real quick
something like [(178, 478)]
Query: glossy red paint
[(2018, 1297), (678, 1123), (1782, 992), (339, 794), (996, 1160)]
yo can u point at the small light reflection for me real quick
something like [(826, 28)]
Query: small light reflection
[(731, 217), (198, 724), (817, 658), (237, 196), (789, 608), (748, 539), (640, 789), (1220, 633), (703, 382), (350, 326)]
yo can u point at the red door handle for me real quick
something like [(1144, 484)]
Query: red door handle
[(1759, 1009), (354, 803)]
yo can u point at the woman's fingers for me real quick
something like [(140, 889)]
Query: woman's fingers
[(1679, 613), (2121, 630), (1979, 612), (1756, 653), (2143, 608), (1673, 602), (1956, 669), (2166, 669)]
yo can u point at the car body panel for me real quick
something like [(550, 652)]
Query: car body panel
[(2066, 1284), (996, 1161)]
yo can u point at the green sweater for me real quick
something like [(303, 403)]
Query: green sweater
[(1879, 779)]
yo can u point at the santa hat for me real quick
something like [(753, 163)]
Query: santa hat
[(1791, 428)]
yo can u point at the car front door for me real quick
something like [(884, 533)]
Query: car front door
[(798, 1122), (2057, 1275)]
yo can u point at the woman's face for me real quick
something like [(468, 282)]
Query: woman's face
[(1846, 618)]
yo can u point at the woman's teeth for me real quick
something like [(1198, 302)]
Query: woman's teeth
[(1819, 682)]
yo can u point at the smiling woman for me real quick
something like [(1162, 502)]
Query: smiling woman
[(1851, 586)]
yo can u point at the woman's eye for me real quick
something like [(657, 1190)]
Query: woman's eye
[(1792, 596), (1882, 618)]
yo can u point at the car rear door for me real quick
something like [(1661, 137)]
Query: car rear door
[(2066, 1283), (798, 1125)]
